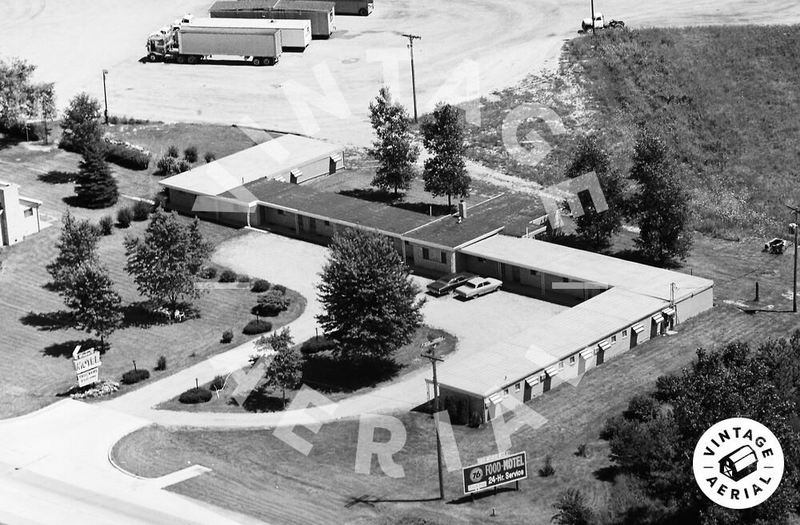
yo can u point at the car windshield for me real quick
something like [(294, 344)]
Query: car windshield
[(470, 284)]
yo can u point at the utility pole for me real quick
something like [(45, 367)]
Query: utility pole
[(593, 32), (796, 212), (431, 355), (105, 96), (411, 39)]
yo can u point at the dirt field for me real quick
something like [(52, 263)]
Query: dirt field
[(494, 42)]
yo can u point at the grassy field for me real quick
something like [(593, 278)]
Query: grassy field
[(323, 373), (731, 117), (256, 473)]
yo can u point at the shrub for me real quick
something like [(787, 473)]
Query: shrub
[(227, 336), (208, 272), (107, 225), (134, 376), (209, 157), (281, 289), (217, 384), (167, 165), (127, 157), (172, 151), (257, 327), (583, 450), (194, 396), (190, 154), (260, 286), (316, 345), (227, 276), (271, 303), (547, 469), (141, 210), (161, 364), (243, 278), (161, 200), (124, 217), (183, 166)]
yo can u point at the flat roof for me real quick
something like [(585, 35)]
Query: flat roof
[(262, 5), (257, 23), (272, 159), (571, 331), (587, 266)]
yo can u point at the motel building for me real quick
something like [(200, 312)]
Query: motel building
[(19, 216), (609, 305)]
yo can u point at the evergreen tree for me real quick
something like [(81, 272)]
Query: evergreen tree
[(572, 509), (597, 229), (81, 123), (393, 147), (662, 205), (164, 264), (369, 302), (95, 186), (77, 245), (445, 171), (286, 368), (95, 305)]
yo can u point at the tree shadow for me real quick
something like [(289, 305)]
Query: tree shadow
[(66, 348), (58, 177), (425, 208), (481, 495), (638, 257), (8, 140), (370, 501), (326, 373), (607, 474), (48, 321), (75, 201), (262, 400), (372, 195), (142, 314)]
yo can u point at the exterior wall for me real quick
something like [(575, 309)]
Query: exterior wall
[(483, 267), (433, 264), (19, 217), (181, 201), (463, 408), (694, 305), (30, 218)]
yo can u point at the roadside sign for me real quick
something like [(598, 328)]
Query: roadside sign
[(87, 365), (89, 377), (494, 473)]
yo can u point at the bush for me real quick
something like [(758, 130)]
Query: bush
[(183, 166), (161, 200), (281, 289), (316, 345), (260, 286), (270, 304), (35, 131), (167, 165), (161, 364), (194, 396), (227, 276), (134, 376), (257, 327), (583, 450), (190, 154), (209, 272), (227, 336), (547, 470), (217, 384), (124, 217), (107, 225), (243, 278), (141, 210), (172, 151), (127, 157), (209, 157)]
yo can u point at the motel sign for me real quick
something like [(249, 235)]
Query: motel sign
[(87, 365), (496, 472)]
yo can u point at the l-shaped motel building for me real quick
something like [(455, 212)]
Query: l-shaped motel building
[(614, 305)]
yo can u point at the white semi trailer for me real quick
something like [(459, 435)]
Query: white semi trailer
[(295, 34), (185, 42)]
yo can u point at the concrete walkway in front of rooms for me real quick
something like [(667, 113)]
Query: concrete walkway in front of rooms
[(297, 264)]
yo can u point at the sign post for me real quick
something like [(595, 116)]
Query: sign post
[(495, 472), (87, 365)]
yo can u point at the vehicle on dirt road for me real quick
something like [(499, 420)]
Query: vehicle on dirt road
[(600, 23), (478, 286), (445, 284), (188, 42)]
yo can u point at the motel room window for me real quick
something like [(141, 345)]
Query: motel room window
[(280, 212), (443, 257), (571, 360), (481, 260), (565, 279), (613, 338), (561, 364), (327, 223), (624, 333), (516, 387), (505, 391), (542, 378), (426, 254), (534, 272), (28, 212)]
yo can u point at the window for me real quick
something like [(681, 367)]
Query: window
[(564, 279), (624, 333), (534, 272), (613, 338), (516, 387), (481, 260), (327, 223), (561, 364), (280, 212), (28, 212), (505, 391), (571, 360), (542, 378), (426, 254), (444, 257)]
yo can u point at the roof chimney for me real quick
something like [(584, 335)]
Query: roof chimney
[(462, 210)]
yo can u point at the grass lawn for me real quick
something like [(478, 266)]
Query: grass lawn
[(256, 473), (323, 373)]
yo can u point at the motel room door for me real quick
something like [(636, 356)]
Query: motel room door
[(634, 338), (601, 355)]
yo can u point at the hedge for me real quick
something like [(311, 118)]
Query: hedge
[(127, 157), (194, 396), (228, 276), (260, 286), (257, 327), (141, 210), (134, 376), (317, 344), (270, 304), (124, 217)]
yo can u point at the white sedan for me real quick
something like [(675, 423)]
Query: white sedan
[(478, 286)]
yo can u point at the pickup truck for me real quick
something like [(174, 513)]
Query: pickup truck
[(600, 23)]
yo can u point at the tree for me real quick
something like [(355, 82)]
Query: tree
[(572, 509), (369, 302), (16, 92), (445, 171), (95, 185), (164, 264), (655, 447), (596, 229), (286, 368), (42, 103), (89, 293), (77, 245), (393, 147), (81, 123), (662, 205)]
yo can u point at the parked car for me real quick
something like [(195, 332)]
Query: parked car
[(776, 246), (445, 284), (478, 286)]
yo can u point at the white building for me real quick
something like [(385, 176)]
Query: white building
[(19, 216)]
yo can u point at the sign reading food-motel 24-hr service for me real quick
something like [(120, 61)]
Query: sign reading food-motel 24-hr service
[(87, 365), (496, 472)]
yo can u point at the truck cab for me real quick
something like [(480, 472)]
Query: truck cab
[(599, 22)]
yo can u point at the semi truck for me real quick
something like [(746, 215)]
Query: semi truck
[(352, 7), (295, 34), (321, 14), (184, 42)]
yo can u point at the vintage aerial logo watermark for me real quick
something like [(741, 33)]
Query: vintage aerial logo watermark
[(738, 463)]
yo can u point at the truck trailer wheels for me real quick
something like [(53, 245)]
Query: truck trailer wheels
[(152, 57), (363, 12), (180, 59), (192, 59), (258, 61)]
